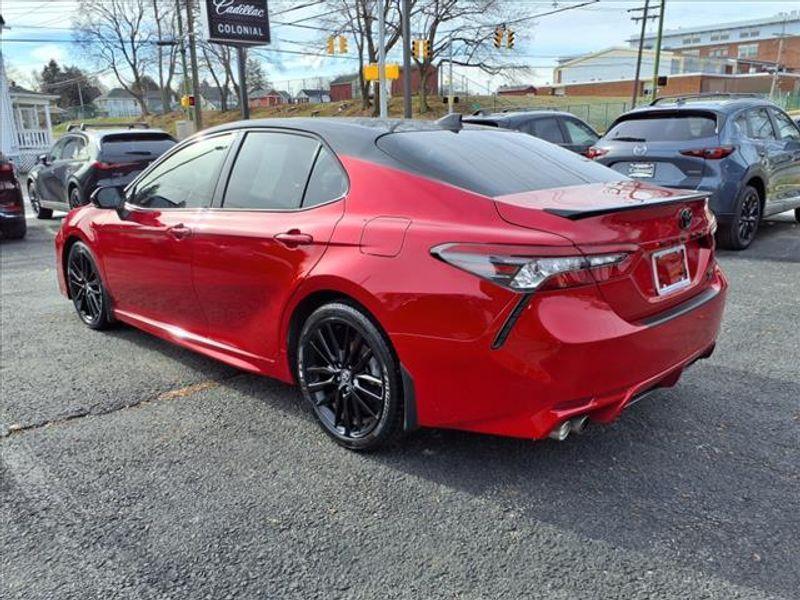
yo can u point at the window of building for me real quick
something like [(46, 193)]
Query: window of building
[(748, 50)]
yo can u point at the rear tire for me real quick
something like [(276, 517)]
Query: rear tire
[(75, 197), (86, 288), (349, 375), (740, 232), (33, 197), (797, 214)]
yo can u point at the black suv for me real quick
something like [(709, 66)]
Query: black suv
[(560, 128), (741, 149), (90, 157)]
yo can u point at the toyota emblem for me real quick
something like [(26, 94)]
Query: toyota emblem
[(685, 218), (639, 150)]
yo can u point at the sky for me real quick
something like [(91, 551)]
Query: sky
[(606, 23)]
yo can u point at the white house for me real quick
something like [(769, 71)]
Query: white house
[(25, 127), (312, 96), (611, 64), (119, 102)]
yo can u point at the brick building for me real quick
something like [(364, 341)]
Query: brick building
[(346, 87)]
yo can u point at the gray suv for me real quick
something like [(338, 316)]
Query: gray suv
[(744, 151)]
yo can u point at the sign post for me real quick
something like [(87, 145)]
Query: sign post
[(238, 23)]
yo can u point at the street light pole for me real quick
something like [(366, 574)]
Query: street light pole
[(242, 59), (384, 105), (407, 59), (450, 99)]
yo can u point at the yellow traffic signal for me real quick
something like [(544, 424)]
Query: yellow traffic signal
[(426, 48), (330, 44), (510, 38), (342, 44), (415, 51), (498, 36)]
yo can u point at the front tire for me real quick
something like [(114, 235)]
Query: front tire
[(350, 377), (86, 288), (75, 197), (41, 213), (740, 232)]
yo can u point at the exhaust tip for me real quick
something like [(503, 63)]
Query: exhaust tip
[(578, 425), (561, 431)]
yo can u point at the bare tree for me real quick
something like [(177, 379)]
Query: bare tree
[(165, 19), (115, 33)]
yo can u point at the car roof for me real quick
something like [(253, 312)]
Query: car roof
[(722, 106), (109, 131), (519, 115), (355, 136)]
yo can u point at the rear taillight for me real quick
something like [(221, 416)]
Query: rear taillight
[(531, 269), (6, 168), (595, 152), (714, 153), (104, 166)]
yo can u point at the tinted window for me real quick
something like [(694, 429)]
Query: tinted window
[(327, 181), (663, 128), (493, 163), (786, 129), (71, 148), (187, 178), (579, 132), (271, 171), (134, 146), (58, 148), (548, 129), (760, 124)]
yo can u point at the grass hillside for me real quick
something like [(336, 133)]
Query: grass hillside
[(596, 110)]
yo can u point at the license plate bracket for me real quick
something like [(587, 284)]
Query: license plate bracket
[(642, 170), (670, 270)]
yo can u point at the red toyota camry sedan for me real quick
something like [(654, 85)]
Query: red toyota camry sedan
[(407, 274)]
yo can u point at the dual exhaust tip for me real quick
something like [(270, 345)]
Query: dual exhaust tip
[(576, 425)]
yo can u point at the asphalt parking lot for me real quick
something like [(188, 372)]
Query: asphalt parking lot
[(135, 469)]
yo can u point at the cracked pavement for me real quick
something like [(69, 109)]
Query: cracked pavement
[(135, 469)]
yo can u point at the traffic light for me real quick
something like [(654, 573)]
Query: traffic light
[(415, 51), (191, 101), (342, 44), (510, 39), (184, 101), (498, 36), (331, 42), (426, 48)]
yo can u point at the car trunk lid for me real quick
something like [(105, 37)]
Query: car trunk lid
[(665, 232)]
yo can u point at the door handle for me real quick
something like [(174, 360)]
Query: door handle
[(179, 231), (294, 238)]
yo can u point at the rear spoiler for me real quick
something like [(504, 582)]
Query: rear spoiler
[(577, 214)]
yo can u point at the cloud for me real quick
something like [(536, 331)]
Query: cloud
[(48, 51)]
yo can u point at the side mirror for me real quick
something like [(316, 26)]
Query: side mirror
[(107, 197), (42, 159)]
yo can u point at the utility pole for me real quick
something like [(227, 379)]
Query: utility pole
[(658, 47), (198, 111), (450, 99), (383, 100), (778, 60), (242, 59), (80, 97), (182, 49), (407, 59), (643, 19)]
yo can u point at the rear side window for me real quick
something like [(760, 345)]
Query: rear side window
[(760, 124), (271, 171), (492, 163), (548, 130), (579, 133), (327, 181), (187, 178), (663, 128), (134, 146)]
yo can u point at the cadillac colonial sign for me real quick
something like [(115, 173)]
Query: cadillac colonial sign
[(237, 22)]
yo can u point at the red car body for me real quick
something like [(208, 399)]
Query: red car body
[(476, 355)]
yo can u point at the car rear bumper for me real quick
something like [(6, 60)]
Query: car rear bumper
[(11, 220), (568, 355)]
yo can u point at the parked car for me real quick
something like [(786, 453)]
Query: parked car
[(744, 151), (12, 210), (88, 157), (560, 128), (406, 273)]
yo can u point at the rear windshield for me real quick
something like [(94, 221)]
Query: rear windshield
[(663, 128), (492, 163), (133, 146)]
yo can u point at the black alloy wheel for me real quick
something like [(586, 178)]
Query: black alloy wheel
[(349, 375), (740, 232), (41, 213), (86, 288)]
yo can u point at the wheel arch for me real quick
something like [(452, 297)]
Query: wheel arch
[(757, 181)]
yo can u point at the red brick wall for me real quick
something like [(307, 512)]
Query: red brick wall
[(431, 83), (523, 92), (767, 51)]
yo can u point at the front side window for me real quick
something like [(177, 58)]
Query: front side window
[(185, 179), (271, 171), (786, 129), (71, 149), (548, 129), (57, 150), (579, 133), (760, 124)]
